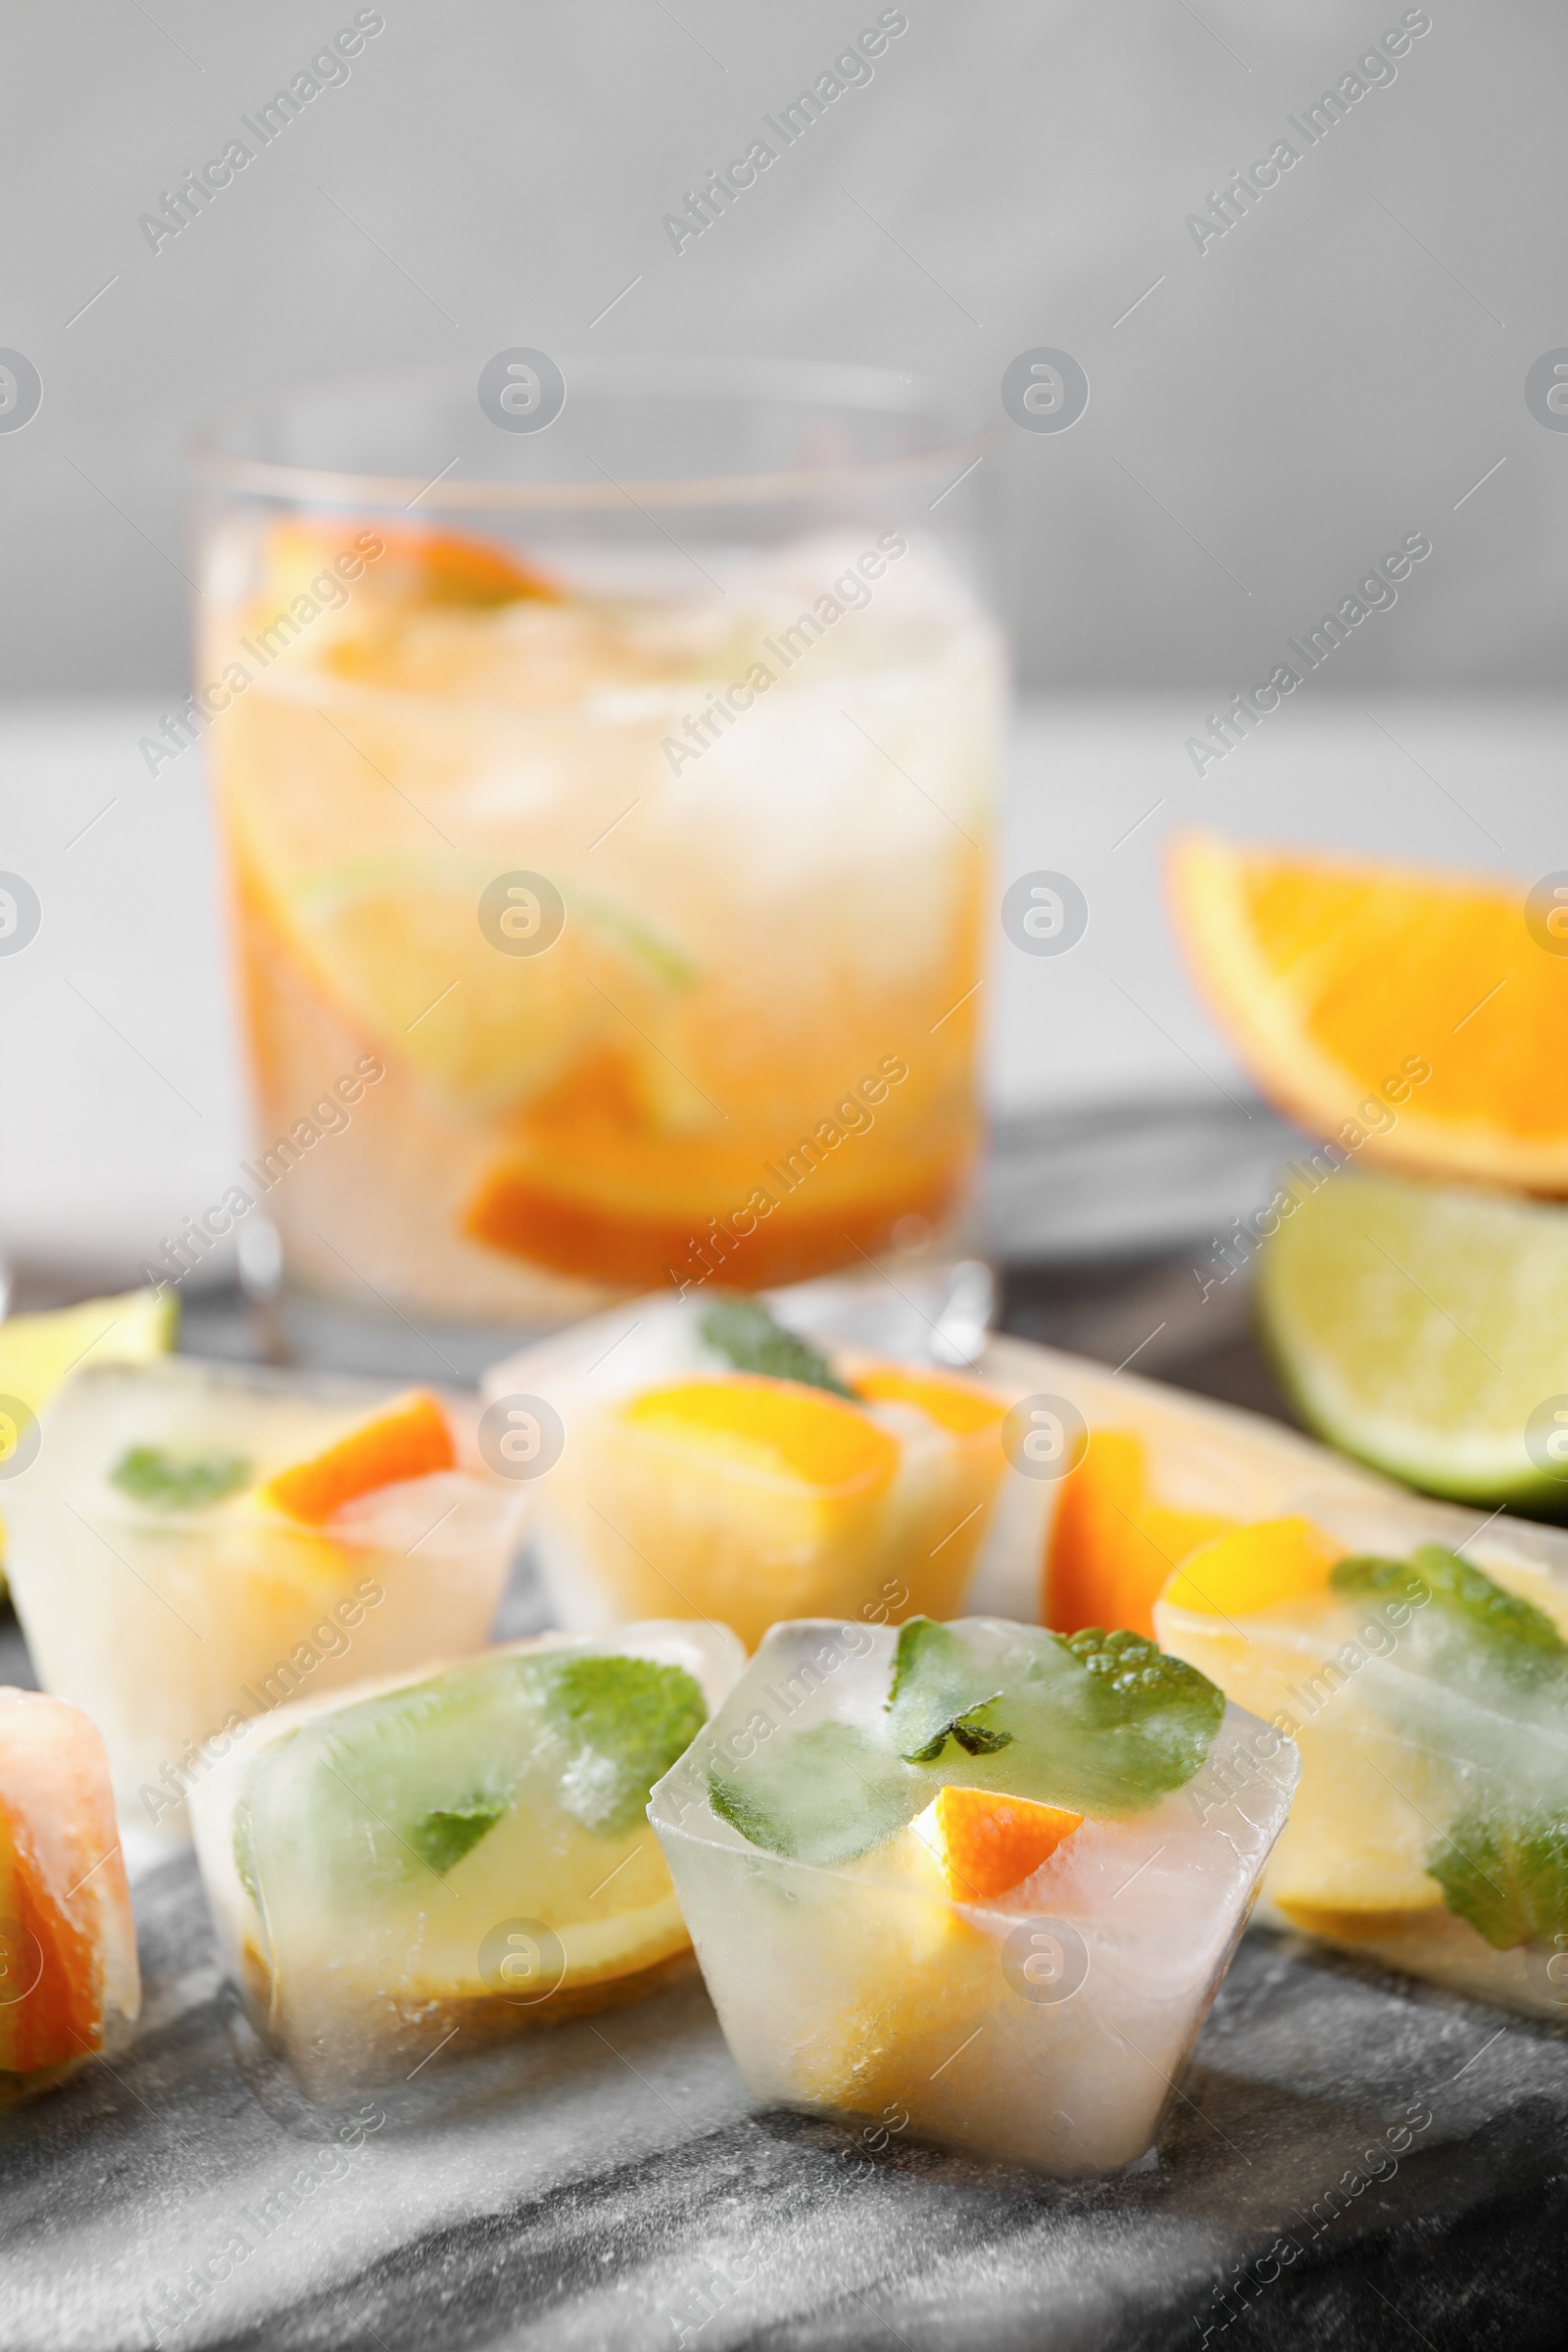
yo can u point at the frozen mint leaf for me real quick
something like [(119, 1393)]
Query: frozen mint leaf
[(937, 1683), (443, 1837), (1507, 1875), (824, 1797), (744, 1333), (1105, 1722), (629, 1720), (162, 1482), (974, 1736), (1461, 1618)]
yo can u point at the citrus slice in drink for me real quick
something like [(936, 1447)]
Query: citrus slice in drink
[(496, 985), (1427, 1332), (1418, 1015)]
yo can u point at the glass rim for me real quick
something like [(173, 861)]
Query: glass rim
[(960, 434)]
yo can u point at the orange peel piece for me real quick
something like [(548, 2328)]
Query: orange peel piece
[(1111, 1545), (986, 1844), (410, 1439)]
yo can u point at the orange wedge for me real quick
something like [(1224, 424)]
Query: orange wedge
[(1111, 1545), (49, 1968), (409, 1440), (1253, 1568), (986, 1844), (440, 567), (960, 1406), (1414, 1017)]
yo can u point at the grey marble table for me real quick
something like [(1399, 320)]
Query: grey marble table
[(1352, 2161)]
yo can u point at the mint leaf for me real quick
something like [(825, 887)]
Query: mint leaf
[(937, 1683), (824, 1797), (745, 1334), (1105, 1722), (443, 1837), (630, 1719), (1507, 1874), (162, 1482), (1463, 1618)]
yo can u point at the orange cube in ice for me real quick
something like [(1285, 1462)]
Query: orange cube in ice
[(68, 1944)]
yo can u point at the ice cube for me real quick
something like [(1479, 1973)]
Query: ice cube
[(714, 1459), (163, 1588), (459, 1857), (1419, 1660), (855, 1923), (68, 1944)]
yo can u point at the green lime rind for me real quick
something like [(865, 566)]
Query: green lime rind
[(1419, 1329), (743, 1331)]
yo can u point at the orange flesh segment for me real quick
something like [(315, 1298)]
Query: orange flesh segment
[(960, 1406), (409, 1440), (776, 1426), (1112, 1547), (986, 1844), (57, 2017), (444, 567), (1254, 1568), (1417, 1006)]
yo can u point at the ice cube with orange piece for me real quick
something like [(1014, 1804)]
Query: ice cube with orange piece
[(194, 1544), (68, 1981), (979, 1877), (1418, 1659), (716, 1464)]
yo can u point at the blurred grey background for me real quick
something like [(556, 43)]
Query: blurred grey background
[(1337, 371)]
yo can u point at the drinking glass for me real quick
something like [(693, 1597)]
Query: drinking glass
[(604, 761)]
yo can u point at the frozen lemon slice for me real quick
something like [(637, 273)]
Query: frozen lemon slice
[(37, 1351), (744, 1499), (409, 1440), (1255, 1612), (1253, 1568), (1112, 1545), (986, 1844)]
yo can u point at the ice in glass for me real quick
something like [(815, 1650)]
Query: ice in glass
[(714, 1461), (461, 1853), (195, 1543), (977, 1881), (646, 877), (1421, 1667), (68, 1981)]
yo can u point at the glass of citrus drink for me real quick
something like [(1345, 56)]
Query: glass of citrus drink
[(606, 803)]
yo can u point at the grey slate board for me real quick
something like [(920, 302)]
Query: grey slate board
[(609, 2185)]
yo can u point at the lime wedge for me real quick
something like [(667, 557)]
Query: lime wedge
[(1425, 1331), (37, 1351)]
